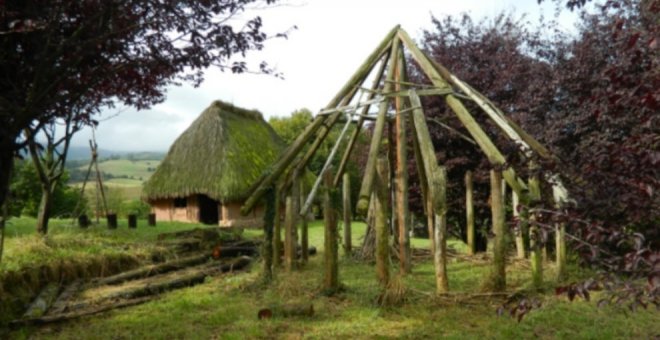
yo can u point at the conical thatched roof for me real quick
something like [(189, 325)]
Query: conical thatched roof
[(220, 155)]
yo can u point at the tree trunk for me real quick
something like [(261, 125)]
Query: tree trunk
[(522, 227), (3, 220), (440, 232), (380, 223), (499, 249), (6, 165), (346, 193), (469, 213), (331, 281), (44, 210)]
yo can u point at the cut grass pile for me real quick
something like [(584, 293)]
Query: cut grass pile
[(226, 307)]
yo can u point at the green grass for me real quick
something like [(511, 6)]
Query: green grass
[(66, 242), (226, 307)]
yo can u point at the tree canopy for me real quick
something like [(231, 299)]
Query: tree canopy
[(59, 57)]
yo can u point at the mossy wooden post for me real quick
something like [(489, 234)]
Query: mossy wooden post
[(440, 233), (304, 228), (423, 183), (290, 221), (469, 212), (560, 250), (520, 241), (331, 279), (269, 222), (277, 231), (374, 147), (401, 171), (381, 222), (499, 249), (535, 246), (346, 200)]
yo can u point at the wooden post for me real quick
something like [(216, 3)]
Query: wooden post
[(370, 168), (401, 174), (469, 213), (269, 222), (535, 256), (560, 249), (290, 222), (304, 232), (346, 193), (112, 220), (381, 225), (83, 221), (522, 227), (151, 220), (423, 183), (277, 230), (499, 249), (132, 221), (331, 281), (440, 233)]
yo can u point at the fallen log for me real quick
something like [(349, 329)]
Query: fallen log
[(62, 301), (152, 270), (43, 301), (286, 310), (185, 280), (69, 316), (156, 269)]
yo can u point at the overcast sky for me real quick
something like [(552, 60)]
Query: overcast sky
[(332, 40)]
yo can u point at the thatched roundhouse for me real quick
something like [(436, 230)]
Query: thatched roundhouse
[(209, 169)]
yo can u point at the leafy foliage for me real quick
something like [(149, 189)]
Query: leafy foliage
[(26, 193), (59, 57)]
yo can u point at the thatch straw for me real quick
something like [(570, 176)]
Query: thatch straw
[(220, 155)]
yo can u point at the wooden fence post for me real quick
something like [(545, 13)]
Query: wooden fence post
[(499, 249), (304, 232), (290, 220)]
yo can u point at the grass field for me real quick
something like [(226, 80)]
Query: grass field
[(127, 180), (225, 307)]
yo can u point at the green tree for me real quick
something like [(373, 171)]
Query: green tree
[(290, 127), (26, 192)]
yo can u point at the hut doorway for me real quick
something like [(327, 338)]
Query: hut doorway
[(208, 210)]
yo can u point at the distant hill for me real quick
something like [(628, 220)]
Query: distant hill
[(80, 153)]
